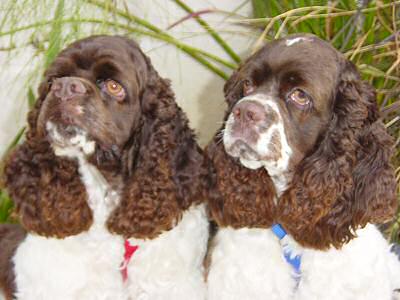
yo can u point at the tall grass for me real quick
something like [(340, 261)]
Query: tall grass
[(367, 32)]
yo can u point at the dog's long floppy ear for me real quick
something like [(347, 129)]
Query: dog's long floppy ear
[(49, 197), (170, 173), (240, 197), (348, 180)]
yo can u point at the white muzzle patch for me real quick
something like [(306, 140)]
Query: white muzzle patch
[(270, 149), (72, 147)]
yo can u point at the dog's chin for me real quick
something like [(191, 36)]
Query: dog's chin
[(247, 156), (69, 140), (251, 164)]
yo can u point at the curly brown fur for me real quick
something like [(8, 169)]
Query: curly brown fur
[(243, 197), (348, 180), (49, 196), (240, 197), (11, 235), (171, 172)]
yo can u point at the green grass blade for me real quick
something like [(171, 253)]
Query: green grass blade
[(211, 31), (31, 98), (17, 139), (55, 37), (6, 206)]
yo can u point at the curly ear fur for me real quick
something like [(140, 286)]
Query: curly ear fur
[(347, 181), (240, 197), (49, 197), (171, 172)]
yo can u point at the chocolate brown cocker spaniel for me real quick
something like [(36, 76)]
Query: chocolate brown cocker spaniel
[(108, 184), (302, 174)]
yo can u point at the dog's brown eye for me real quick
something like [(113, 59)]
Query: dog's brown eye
[(299, 98), (115, 89), (248, 87)]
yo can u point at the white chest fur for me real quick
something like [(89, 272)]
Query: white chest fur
[(78, 267), (84, 266), (171, 266), (363, 269), (249, 264)]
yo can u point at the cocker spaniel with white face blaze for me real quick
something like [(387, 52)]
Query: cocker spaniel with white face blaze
[(108, 184), (301, 174)]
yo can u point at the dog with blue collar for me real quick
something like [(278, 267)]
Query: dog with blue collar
[(302, 175)]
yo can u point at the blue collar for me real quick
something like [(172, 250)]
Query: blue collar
[(294, 261)]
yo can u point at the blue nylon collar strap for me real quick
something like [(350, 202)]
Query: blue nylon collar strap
[(293, 260)]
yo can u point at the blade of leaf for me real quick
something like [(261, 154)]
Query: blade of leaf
[(16, 140), (55, 34), (6, 206), (223, 44), (31, 98)]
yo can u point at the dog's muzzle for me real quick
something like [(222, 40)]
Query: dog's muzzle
[(254, 132)]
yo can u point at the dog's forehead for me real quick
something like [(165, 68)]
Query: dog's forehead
[(99, 54), (302, 50), (95, 48)]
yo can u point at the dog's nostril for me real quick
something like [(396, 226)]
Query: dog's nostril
[(236, 112), (250, 115), (73, 87), (67, 87), (56, 86), (249, 111)]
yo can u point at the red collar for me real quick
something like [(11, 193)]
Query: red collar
[(129, 251)]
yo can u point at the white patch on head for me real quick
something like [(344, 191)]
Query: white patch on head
[(73, 147), (292, 41)]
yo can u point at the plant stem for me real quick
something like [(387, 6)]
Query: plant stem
[(211, 31), (161, 34), (197, 54), (55, 34), (317, 16)]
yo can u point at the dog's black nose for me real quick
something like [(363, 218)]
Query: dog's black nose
[(249, 112), (67, 88)]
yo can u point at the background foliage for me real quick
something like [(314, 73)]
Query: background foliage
[(367, 32)]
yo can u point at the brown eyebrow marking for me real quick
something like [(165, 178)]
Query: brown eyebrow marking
[(260, 73)]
